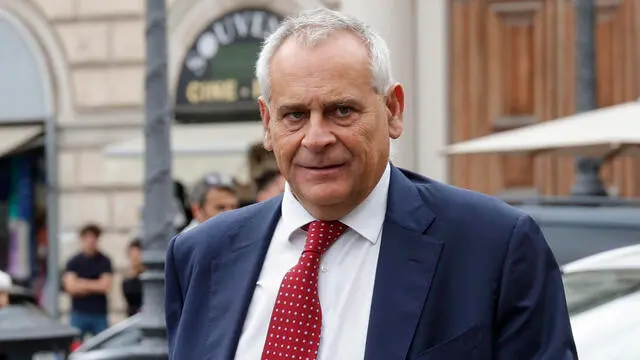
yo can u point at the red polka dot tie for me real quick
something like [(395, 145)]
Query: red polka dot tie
[(296, 320)]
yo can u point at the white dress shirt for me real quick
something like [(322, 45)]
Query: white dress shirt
[(345, 283), (191, 225)]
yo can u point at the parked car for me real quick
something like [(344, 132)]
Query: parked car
[(111, 343), (603, 297), (576, 228)]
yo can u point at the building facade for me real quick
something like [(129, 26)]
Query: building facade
[(76, 91)]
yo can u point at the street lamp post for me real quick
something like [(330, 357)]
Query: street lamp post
[(158, 226), (587, 181), (157, 222)]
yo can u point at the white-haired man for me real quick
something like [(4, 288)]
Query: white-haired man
[(358, 259)]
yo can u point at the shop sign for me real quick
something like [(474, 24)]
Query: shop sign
[(217, 80)]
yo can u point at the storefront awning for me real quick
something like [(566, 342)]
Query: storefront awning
[(13, 137), (189, 140), (609, 130)]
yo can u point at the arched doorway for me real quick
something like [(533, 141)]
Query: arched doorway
[(26, 106)]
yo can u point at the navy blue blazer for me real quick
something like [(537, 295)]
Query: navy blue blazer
[(460, 275)]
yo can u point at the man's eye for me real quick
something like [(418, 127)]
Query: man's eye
[(296, 115), (343, 111)]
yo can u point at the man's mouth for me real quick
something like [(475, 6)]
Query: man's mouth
[(324, 167)]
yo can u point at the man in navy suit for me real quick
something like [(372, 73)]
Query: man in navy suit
[(358, 259)]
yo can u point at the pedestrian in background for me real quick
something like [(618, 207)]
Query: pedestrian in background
[(87, 280), (131, 285), (269, 184), (213, 194), (260, 160)]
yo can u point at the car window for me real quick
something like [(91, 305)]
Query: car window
[(588, 289)]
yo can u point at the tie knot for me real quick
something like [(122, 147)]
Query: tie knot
[(322, 234)]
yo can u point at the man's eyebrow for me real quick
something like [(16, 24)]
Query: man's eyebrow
[(292, 107), (298, 106), (348, 101)]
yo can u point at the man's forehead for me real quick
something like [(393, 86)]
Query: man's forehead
[(301, 40), (325, 73), (339, 49)]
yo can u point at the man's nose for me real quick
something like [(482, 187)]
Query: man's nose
[(318, 134)]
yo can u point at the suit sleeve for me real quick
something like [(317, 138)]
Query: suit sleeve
[(173, 296), (532, 316)]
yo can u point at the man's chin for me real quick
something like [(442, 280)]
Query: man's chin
[(322, 195), (323, 175)]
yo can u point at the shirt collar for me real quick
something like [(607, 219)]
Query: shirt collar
[(366, 219)]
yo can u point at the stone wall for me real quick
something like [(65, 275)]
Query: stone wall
[(105, 51)]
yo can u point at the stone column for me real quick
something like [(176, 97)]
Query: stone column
[(432, 85)]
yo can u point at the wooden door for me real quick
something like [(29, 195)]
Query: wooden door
[(512, 64)]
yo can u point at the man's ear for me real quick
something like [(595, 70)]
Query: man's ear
[(195, 210), (395, 107), (265, 114)]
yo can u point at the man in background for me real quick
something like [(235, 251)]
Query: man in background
[(269, 184), (87, 279), (213, 194)]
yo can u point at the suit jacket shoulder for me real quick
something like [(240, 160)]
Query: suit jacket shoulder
[(209, 273), (214, 238), (468, 209), (476, 229)]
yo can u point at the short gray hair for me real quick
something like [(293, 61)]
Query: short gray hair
[(210, 181), (311, 27)]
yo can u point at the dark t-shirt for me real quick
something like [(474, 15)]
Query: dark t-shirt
[(91, 268), (132, 290)]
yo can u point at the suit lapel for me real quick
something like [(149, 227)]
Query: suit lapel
[(234, 277), (406, 265)]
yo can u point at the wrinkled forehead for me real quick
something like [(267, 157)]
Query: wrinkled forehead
[(336, 47)]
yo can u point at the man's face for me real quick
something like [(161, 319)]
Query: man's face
[(216, 201), (89, 243), (327, 126), (135, 256)]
